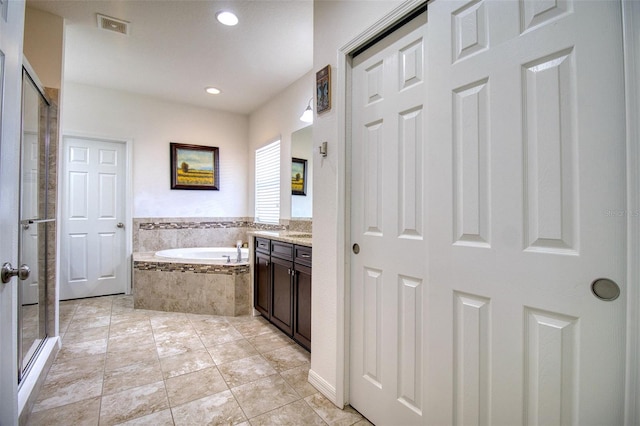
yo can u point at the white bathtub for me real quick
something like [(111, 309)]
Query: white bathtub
[(206, 253)]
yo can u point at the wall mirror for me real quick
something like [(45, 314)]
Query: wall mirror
[(301, 141)]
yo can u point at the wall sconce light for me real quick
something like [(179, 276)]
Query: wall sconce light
[(307, 115)]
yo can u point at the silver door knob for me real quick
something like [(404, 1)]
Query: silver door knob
[(120, 225), (8, 272)]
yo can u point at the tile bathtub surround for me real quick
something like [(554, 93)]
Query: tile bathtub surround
[(191, 288), (127, 366), (153, 234)]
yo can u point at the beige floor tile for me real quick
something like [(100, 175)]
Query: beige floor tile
[(287, 357), (264, 395), (298, 379), (84, 334), (80, 323), (56, 394), (186, 362), (270, 341), (296, 413), (82, 413), (131, 376), (232, 351), (180, 333), (169, 319), (128, 366), (332, 414), (134, 354), (254, 327), (196, 385), (92, 311), (159, 418), (127, 316), (179, 345), (220, 408), (82, 349), (245, 370), (222, 333), (66, 371), (363, 422), (132, 326), (124, 343), (133, 403)]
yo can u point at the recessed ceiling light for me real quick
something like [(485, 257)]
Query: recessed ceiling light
[(227, 18), (212, 90)]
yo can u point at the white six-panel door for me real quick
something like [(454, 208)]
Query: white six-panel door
[(478, 308), (93, 250), (387, 223)]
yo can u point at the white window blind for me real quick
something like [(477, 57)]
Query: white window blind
[(268, 183)]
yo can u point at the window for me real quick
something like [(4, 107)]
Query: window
[(268, 183)]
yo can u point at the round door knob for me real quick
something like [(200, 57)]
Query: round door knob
[(356, 248), (8, 272), (605, 289), (120, 225)]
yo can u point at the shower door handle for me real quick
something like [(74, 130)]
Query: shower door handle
[(8, 271)]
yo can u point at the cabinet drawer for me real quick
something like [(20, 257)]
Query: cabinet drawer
[(282, 250), (263, 245), (302, 255)]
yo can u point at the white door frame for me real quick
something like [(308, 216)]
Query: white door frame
[(128, 197), (631, 33), (631, 41)]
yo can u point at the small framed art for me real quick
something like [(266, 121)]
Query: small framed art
[(298, 176), (323, 90), (194, 167)]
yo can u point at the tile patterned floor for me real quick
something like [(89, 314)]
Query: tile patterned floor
[(120, 365)]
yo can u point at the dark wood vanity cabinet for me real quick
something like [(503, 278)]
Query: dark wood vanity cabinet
[(282, 287), (262, 283)]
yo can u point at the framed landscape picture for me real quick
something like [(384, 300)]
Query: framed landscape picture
[(298, 176), (194, 167)]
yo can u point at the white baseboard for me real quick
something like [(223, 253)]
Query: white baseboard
[(324, 388)]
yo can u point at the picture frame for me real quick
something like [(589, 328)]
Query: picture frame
[(298, 176), (323, 90), (194, 166)]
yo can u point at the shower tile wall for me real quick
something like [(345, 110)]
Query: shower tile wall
[(54, 118)]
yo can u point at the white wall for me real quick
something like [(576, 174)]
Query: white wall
[(335, 23), (278, 119), (152, 124)]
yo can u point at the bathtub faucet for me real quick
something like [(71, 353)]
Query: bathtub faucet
[(239, 247)]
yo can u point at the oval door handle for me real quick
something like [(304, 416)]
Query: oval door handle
[(356, 248), (120, 225), (8, 272)]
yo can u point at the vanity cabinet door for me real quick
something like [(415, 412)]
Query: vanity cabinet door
[(262, 285), (302, 306), (282, 294)]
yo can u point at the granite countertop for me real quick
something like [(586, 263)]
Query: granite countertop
[(294, 237)]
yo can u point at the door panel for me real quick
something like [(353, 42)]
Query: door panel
[(477, 308), (387, 217), (11, 37), (94, 246)]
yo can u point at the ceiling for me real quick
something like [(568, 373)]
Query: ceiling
[(176, 48)]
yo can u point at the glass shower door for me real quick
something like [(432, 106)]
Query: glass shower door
[(33, 251)]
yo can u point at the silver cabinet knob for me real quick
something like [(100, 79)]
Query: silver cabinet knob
[(120, 225), (8, 272)]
